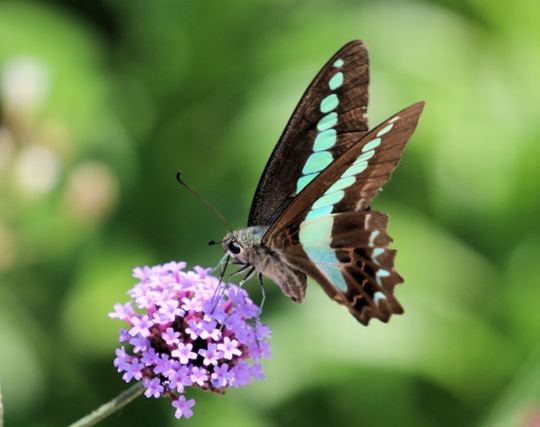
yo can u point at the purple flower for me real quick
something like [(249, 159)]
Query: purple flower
[(179, 378), (122, 311), (124, 336), (198, 376), (229, 348), (183, 353), (122, 359), (153, 387), (184, 332), (171, 309), (149, 357), (132, 370), (162, 364), (183, 407), (193, 329), (190, 304), (208, 330), (141, 326), (139, 344), (170, 336), (221, 376), (210, 354)]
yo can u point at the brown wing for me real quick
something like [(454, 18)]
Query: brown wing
[(358, 255), (326, 233), (370, 165), (343, 81)]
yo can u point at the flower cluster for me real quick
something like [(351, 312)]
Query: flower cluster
[(188, 330)]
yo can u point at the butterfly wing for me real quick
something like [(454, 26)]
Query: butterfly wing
[(339, 93), (327, 232)]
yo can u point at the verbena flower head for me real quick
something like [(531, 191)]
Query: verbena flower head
[(182, 331)]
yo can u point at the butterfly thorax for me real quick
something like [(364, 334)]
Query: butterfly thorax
[(245, 246)]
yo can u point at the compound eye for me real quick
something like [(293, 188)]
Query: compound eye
[(234, 248)]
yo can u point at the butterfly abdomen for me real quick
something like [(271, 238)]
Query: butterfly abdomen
[(291, 281)]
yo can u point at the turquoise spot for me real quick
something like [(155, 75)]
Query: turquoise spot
[(373, 236), (317, 162), (333, 272), (336, 81), (304, 181), (325, 140), (364, 157), (385, 130), (327, 256), (315, 237), (378, 296), (322, 211), (327, 121), (341, 184), (377, 252), (355, 169), (379, 274), (316, 233), (329, 103), (328, 199), (371, 145), (338, 63)]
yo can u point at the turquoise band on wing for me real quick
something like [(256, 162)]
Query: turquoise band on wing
[(304, 181), (325, 140), (336, 81), (315, 237), (316, 162), (385, 130), (341, 184), (329, 103), (355, 169), (338, 63), (327, 122), (328, 199), (371, 145), (322, 211), (326, 137)]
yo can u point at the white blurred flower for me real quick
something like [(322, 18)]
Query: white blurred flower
[(36, 169), (25, 83), (92, 191)]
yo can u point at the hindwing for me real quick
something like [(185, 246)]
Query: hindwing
[(354, 266)]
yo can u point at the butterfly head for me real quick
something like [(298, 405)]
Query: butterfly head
[(240, 244), (233, 247)]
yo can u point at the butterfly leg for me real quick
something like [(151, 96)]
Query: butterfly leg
[(240, 270), (247, 276), (220, 288), (220, 264), (263, 291)]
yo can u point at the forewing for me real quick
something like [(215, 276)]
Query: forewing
[(330, 117), (352, 181)]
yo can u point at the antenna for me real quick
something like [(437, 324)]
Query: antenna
[(206, 202), (213, 242)]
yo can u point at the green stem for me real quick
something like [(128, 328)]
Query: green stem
[(110, 407)]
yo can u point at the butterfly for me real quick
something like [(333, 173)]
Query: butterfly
[(311, 215)]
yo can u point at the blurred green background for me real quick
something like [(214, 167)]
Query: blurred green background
[(102, 102)]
